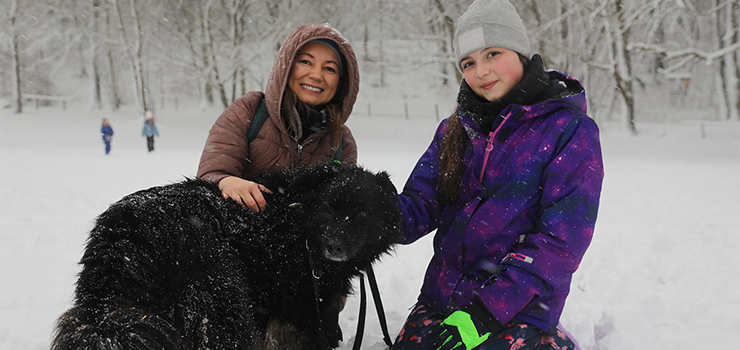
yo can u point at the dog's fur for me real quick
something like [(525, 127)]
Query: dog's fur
[(180, 267)]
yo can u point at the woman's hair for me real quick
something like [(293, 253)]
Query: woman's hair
[(333, 112), (451, 163)]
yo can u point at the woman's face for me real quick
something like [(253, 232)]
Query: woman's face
[(492, 72), (314, 77)]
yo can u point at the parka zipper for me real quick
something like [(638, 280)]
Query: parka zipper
[(299, 149), (489, 145)]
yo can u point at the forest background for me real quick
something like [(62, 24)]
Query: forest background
[(153, 52), (661, 272)]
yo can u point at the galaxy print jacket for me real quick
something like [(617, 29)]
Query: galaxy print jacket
[(525, 214)]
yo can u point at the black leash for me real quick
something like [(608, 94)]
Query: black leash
[(359, 333), (378, 307), (361, 318)]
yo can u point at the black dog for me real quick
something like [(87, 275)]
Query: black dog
[(180, 267)]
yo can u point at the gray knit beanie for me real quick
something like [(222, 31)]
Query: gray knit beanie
[(489, 23)]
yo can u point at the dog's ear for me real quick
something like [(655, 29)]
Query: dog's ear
[(384, 180)]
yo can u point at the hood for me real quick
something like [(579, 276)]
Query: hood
[(278, 80)]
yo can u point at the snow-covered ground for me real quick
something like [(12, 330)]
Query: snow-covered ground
[(663, 271)]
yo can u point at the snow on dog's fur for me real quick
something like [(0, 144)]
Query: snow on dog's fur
[(180, 267)]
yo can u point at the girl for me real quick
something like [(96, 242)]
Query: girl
[(511, 182)]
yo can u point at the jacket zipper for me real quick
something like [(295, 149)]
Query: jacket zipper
[(489, 146), (299, 149)]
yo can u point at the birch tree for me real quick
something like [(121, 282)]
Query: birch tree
[(617, 16), (726, 19), (134, 49), (442, 21), (15, 57), (96, 79)]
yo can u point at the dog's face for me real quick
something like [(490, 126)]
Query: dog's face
[(355, 212)]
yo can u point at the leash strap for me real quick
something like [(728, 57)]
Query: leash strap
[(361, 318), (378, 305)]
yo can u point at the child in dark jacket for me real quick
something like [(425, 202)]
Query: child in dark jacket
[(107, 132), (511, 182)]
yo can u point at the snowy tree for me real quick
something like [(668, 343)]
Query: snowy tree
[(223, 48), (15, 57), (134, 45)]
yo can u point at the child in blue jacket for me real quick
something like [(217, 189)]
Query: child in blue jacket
[(107, 132), (149, 130), (511, 184)]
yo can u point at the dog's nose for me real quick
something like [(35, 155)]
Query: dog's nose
[(335, 250)]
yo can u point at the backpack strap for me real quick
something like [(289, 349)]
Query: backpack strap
[(337, 155), (259, 119)]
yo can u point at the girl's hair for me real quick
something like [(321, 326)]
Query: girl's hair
[(451, 163), (333, 109)]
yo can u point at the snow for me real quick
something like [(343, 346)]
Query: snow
[(662, 271)]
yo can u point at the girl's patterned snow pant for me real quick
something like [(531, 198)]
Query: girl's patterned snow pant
[(423, 325)]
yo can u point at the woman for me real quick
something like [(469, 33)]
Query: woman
[(309, 96), (511, 182)]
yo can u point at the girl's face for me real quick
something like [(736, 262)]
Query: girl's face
[(492, 72), (314, 77)]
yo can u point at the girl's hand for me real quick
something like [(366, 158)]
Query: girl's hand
[(247, 193)]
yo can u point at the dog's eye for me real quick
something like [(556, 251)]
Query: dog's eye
[(328, 210)]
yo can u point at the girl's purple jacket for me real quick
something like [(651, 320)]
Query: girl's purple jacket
[(514, 237)]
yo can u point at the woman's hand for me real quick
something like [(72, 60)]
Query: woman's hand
[(247, 193)]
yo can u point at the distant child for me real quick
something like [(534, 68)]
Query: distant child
[(107, 131), (511, 183), (149, 130)]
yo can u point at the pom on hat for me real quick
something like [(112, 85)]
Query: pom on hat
[(489, 23)]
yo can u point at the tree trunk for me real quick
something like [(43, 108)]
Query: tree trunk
[(97, 99), (735, 23), (236, 41), (112, 82), (366, 44), (16, 59), (134, 53), (623, 65), (729, 71), (211, 54), (80, 48), (139, 59), (381, 60), (448, 27)]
